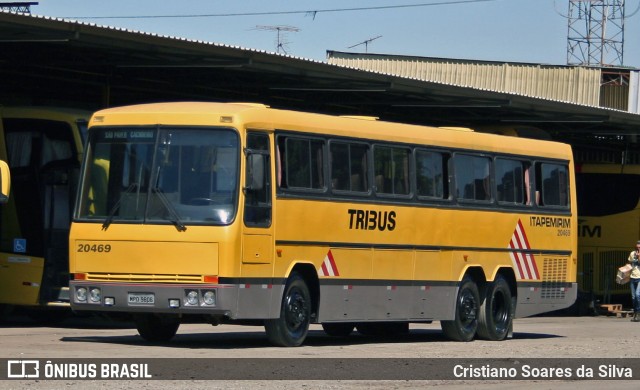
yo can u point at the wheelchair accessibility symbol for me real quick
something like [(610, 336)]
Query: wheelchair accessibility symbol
[(19, 245)]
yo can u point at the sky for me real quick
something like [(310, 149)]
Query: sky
[(529, 31)]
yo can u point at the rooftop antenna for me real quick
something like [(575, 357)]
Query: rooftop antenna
[(365, 43), (18, 6), (281, 43)]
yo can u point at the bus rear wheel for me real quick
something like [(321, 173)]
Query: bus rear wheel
[(494, 321), (156, 328), (465, 324), (291, 328)]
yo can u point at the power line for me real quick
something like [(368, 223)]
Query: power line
[(305, 12)]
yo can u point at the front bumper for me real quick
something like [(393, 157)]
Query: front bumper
[(154, 298)]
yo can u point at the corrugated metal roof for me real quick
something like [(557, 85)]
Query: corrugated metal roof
[(149, 34), (487, 76), (95, 56), (579, 85)]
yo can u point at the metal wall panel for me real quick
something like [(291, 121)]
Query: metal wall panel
[(564, 83), (634, 92)]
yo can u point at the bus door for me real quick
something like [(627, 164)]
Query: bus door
[(44, 161), (257, 238)]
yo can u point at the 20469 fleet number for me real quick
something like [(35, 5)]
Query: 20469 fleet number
[(96, 248)]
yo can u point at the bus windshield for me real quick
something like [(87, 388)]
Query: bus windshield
[(161, 175)]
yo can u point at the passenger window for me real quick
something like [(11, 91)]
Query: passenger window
[(552, 184), (473, 177), (431, 174), (391, 170), (303, 160), (349, 167), (510, 182)]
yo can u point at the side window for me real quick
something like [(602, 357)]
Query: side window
[(552, 184), (303, 163), (391, 170), (431, 174), (349, 167), (512, 182), (257, 209), (472, 177)]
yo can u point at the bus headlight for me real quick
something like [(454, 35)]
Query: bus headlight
[(209, 298), (94, 295), (81, 294), (192, 298)]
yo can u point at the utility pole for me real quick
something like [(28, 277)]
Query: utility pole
[(365, 43), (281, 43), (596, 32)]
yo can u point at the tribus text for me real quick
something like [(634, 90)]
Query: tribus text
[(372, 220)]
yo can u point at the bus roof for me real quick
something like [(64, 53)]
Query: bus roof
[(63, 114), (262, 117)]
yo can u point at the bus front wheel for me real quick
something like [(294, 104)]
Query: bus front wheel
[(465, 324), (496, 311), (291, 328), (156, 328)]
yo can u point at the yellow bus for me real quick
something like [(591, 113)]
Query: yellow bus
[(608, 226), (240, 213), (5, 181), (43, 147)]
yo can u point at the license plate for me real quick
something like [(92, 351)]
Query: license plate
[(141, 299)]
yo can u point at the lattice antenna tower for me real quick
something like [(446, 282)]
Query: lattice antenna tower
[(365, 43), (281, 42), (596, 32), (18, 6)]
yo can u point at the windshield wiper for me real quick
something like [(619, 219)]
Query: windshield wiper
[(174, 214), (112, 212)]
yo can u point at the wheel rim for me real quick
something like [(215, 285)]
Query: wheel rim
[(296, 311), (467, 309)]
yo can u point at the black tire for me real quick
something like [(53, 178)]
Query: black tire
[(338, 329), (291, 328), (465, 324), (496, 311), (156, 328), (46, 316), (383, 329), (5, 312)]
